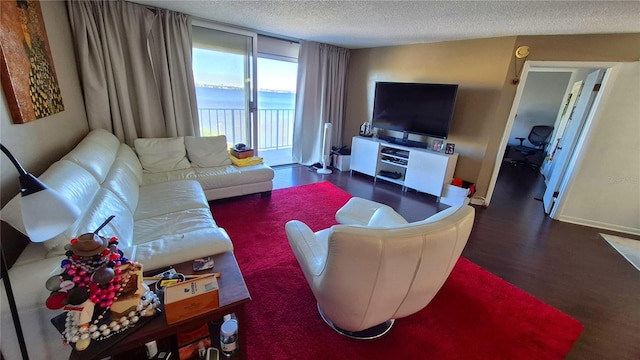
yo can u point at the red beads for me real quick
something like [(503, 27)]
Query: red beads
[(56, 300), (97, 278)]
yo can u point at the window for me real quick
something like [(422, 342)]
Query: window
[(222, 70), (222, 73)]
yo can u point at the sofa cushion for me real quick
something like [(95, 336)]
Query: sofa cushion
[(180, 247), (175, 223), (207, 151), (34, 252), (122, 182), (162, 154), (230, 175), (169, 176), (96, 152), (105, 204), (128, 157), (170, 197)]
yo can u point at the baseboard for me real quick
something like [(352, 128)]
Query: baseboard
[(600, 225)]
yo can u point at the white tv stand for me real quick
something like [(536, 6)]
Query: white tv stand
[(419, 169)]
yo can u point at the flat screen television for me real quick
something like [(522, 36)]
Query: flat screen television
[(416, 108)]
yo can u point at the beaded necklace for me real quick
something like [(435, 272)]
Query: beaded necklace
[(93, 283), (99, 330)]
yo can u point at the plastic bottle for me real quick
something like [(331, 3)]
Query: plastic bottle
[(229, 336)]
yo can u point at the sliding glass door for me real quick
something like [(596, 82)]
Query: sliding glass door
[(276, 109), (224, 63)]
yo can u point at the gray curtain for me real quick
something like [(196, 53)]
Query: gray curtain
[(320, 98), (170, 46), (135, 69)]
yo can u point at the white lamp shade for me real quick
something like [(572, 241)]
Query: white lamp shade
[(46, 214)]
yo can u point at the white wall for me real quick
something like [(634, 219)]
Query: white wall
[(605, 192), (41, 142)]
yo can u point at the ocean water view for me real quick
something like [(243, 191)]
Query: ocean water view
[(221, 111), (222, 101), (221, 98)]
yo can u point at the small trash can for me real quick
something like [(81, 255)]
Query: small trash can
[(341, 158), (458, 192), (341, 162)]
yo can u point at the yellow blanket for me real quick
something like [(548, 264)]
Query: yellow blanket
[(254, 160)]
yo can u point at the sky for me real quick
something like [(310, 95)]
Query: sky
[(220, 68)]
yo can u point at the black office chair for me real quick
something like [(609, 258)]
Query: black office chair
[(538, 137)]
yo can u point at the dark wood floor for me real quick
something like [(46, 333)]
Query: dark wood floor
[(567, 266)]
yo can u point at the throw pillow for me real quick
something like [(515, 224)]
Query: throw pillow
[(162, 154), (207, 151)]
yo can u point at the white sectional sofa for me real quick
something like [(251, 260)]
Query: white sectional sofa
[(161, 218), (205, 160)]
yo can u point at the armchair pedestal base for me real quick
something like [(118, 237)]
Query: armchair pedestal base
[(373, 332)]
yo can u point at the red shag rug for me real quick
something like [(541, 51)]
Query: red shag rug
[(476, 315)]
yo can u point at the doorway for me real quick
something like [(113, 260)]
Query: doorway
[(538, 114), (276, 108), (577, 69)]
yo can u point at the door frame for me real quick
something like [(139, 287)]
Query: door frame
[(611, 70)]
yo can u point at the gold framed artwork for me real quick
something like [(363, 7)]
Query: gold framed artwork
[(28, 77)]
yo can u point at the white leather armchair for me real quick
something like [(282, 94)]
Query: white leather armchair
[(378, 267)]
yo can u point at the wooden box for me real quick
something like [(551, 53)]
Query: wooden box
[(191, 298), (242, 154)]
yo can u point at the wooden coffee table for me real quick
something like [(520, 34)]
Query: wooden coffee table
[(233, 294)]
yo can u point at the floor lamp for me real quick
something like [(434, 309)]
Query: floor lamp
[(45, 214)]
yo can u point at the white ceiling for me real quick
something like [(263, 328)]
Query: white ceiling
[(362, 24)]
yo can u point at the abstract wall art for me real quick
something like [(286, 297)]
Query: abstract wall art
[(27, 73)]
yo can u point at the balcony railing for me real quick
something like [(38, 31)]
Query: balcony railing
[(275, 126)]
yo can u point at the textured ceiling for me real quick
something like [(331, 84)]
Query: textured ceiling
[(362, 24)]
